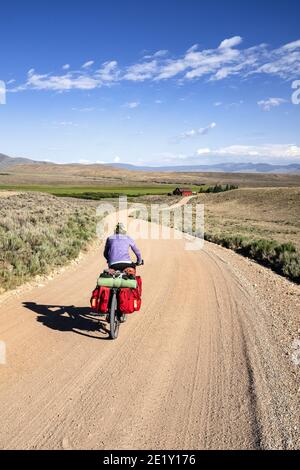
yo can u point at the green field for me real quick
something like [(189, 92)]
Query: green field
[(95, 193)]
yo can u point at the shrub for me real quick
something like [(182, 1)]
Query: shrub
[(282, 258), (218, 188), (39, 232)]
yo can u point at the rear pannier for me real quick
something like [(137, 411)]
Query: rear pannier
[(130, 300), (126, 301), (100, 299), (138, 294)]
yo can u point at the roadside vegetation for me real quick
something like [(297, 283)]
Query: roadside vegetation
[(262, 224), (282, 258), (218, 188), (39, 232)]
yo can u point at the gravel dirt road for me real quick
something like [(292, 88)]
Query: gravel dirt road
[(198, 368)]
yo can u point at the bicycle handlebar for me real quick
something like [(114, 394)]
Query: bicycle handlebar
[(140, 264)]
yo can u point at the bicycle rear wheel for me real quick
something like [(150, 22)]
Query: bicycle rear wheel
[(114, 319)]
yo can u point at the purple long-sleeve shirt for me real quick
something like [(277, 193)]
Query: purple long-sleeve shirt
[(117, 249)]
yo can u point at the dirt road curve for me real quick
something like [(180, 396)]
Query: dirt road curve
[(196, 368)]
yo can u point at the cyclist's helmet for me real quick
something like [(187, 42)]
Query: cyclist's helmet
[(120, 229)]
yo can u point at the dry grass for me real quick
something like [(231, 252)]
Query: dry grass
[(39, 232), (271, 213), (263, 224), (4, 194), (158, 199), (99, 175)]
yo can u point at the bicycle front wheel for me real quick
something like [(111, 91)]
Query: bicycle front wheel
[(114, 319)]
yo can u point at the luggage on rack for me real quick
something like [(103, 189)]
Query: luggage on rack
[(138, 294), (130, 300), (118, 282), (129, 292), (100, 299), (126, 301)]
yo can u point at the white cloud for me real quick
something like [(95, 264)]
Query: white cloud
[(66, 67), (132, 105), (232, 42), (214, 64), (276, 151), (141, 72), (198, 132), (88, 64), (218, 103), (193, 48), (65, 123), (236, 104), (109, 72), (203, 151), (269, 103), (117, 159), (283, 62), (292, 46), (61, 83), (268, 153), (160, 53)]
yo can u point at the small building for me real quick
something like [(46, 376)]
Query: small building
[(182, 192)]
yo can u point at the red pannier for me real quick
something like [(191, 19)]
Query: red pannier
[(138, 294), (126, 300), (100, 299), (130, 300)]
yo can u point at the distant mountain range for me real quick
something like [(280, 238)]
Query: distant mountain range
[(7, 163), (217, 168)]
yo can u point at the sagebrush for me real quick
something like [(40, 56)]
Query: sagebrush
[(39, 232), (281, 257)]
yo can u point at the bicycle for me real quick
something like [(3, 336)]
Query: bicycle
[(114, 317)]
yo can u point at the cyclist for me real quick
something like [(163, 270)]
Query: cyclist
[(116, 251)]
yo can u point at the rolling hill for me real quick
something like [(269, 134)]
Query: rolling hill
[(23, 171), (230, 167), (7, 162)]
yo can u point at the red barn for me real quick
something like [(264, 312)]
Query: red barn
[(182, 192)]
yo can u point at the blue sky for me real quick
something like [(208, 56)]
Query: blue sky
[(160, 82)]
